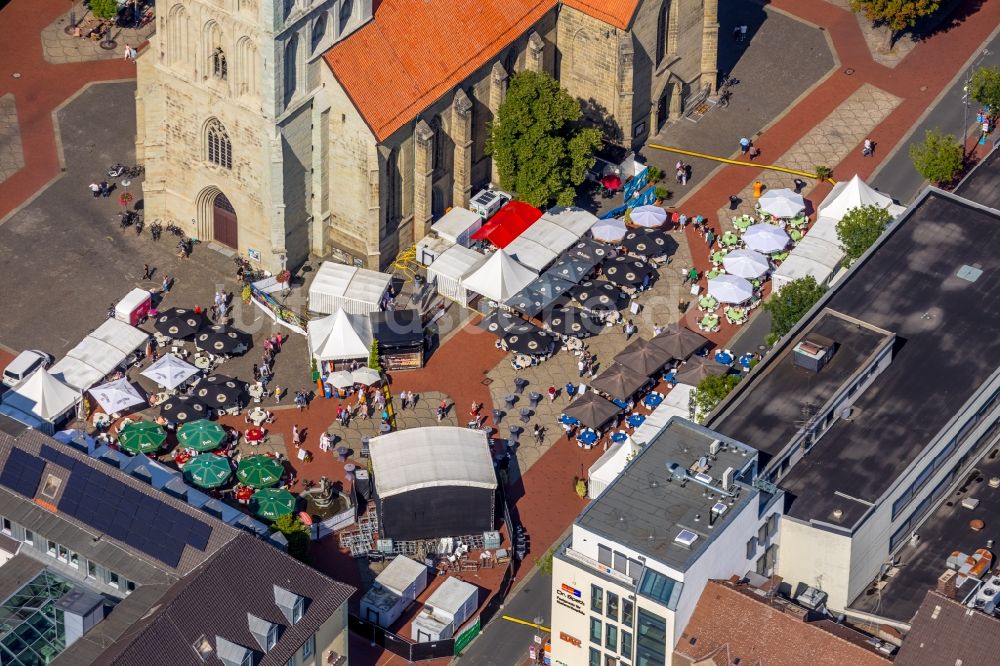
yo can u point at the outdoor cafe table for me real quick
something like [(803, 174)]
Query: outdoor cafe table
[(743, 222), (718, 256), (798, 222), (710, 321), (708, 302), (795, 235), (243, 494), (587, 437), (256, 392), (182, 457), (714, 273), (729, 239), (255, 434), (568, 420), (653, 400), (736, 315), (202, 362), (619, 436), (635, 420), (724, 357), (257, 416), (746, 360), (670, 377)]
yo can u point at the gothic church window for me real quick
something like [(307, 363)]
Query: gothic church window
[(661, 31), (319, 30), (220, 69), (346, 12), (220, 149)]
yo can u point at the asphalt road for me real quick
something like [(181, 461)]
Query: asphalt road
[(896, 177)]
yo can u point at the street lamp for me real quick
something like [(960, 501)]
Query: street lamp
[(965, 97)]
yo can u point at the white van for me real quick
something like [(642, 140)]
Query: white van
[(26, 363)]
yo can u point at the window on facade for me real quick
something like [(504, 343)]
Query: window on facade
[(611, 638), (626, 644), (610, 661), (298, 609), (661, 32), (627, 610), (129, 587), (651, 639), (319, 30), (220, 69), (751, 548), (309, 647), (291, 662), (29, 537), (62, 554), (595, 657), (762, 534), (346, 12), (604, 555), (220, 149), (612, 606), (595, 630), (114, 580), (272, 637), (91, 569), (74, 560), (50, 548), (657, 587), (7, 526), (51, 486), (596, 599), (247, 659), (621, 563)]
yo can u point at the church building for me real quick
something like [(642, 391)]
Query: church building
[(289, 128)]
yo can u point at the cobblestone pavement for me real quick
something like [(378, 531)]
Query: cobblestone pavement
[(11, 151), (60, 48)]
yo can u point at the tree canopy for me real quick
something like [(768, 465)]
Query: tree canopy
[(860, 228), (984, 87), (374, 358), (711, 391), (541, 150), (894, 16), (939, 157), (104, 9), (789, 304)]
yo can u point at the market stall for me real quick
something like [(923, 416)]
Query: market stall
[(340, 287), (451, 268), (336, 340), (457, 226), (400, 336), (41, 401)]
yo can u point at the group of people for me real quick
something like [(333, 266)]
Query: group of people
[(101, 189)]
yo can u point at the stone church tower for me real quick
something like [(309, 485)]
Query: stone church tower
[(232, 142)]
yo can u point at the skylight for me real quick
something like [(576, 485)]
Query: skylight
[(686, 538)]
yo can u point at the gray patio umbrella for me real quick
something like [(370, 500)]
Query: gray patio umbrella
[(539, 293), (649, 242), (599, 295), (592, 410), (571, 269), (499, 321), (696, 369), (679, 341), (223, 340), (572, 321), (527, 338), (619, 382), (628, 271), (588, 249), (643, 356), (527, 301)]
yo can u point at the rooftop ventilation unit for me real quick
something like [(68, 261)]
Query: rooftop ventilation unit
[(686, 538), (704, 478), (812, 598), (719, 508), (812, 353), (714, 447), (727, 478)]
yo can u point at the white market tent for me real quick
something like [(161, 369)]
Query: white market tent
[(853, 193), (457, 225), (342, 287), (99, 354), (499, 277), (121, 336), (419, 458), (812, 256), (540, 244), (340, 336), (572, 219), (607, 468), (450, 270), (41, 398)]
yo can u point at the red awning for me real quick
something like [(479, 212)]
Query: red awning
[(508, 223)]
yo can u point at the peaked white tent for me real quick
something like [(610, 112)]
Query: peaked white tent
[(853, 193), (499, 278), (450, 270), (341, 336), (117, 395), (541, 243), (573, 219), (342, 287), (170, 371), (607, 468), (41, 397)]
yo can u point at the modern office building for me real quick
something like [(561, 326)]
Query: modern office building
[(110, 570), (883, 398), (685, 510)]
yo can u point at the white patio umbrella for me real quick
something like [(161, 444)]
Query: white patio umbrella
[(366, 376), (730, 289), (765, 238), (340, 379), (608, 231), (170, 371), (782, 202), (746, 263), (648, 216), (117, 395)]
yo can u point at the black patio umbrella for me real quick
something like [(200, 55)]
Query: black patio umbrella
[(649, 242), (527, 302), (183, 408), (590, 250), (592, 410), (223, 340), (572, 321), (221, 392), (619, 382), (179, 323), (696, 369), (599, 295), (628, 271), (536, 296), (571, 269), (498, 322), (527, 338), (643, 356), (679, 341)]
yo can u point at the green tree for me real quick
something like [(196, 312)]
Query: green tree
[(894, 16), (860, 228), (984, 87), (541, 151), (939, 157), (299, 536), (374, 359), (789, 304), (544, 563), (104, 9), (711, 391)]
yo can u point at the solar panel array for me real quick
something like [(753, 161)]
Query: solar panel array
[(124, 513), (22, 473)]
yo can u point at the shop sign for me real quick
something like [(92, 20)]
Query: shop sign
[(571, 598), (572, 640)]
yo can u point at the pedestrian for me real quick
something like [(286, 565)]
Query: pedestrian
[(743, 33), (256, 373), (552, 393), (296, 436), (693, 274), (799, 184), (166, 284), (128, 53), (570, 390), (868, 149), (698, 222), (147, 273), (734, 202), (630, 329), (683, 220), (95, 189), (105, 189), (754, 152), (680, 176), (278, 392), (684, 175), (581, 365), (709, 237), (265, 370), (403, 399), (744, 145)]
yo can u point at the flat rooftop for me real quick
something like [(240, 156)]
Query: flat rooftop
[(946, 348), (944, 531), (647, 506), (774, 405), (983, 184)]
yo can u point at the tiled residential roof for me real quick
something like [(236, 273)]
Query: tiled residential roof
[(946, 632), (732, 623), (414, 51), (618, 13)]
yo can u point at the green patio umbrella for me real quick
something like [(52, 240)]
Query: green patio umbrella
[(201, 435), (141, 437), (272, 503), (207, 470), (259, 471)]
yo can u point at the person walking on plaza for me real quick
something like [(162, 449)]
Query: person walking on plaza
[(754, 152), (166, 284), (552, 393), (868, 149), (709, 237), (630, 329), (147, 273), (743, 33), (95, 189), (278, 392), (581, 365), (404, 399), (296, 436), (744, 145)]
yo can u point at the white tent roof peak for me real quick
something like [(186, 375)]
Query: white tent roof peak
[(500, 277), (853, 193), (43, 395), (340, 336)]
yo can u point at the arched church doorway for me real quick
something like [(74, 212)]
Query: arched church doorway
[(224, 224)]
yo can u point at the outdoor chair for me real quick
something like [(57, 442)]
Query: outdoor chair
[(535, 398), (526, 415), (497, 415), (519, 384), (510, 399)]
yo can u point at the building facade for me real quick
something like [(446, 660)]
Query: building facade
[(285, 128)]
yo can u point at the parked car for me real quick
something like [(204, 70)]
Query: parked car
[(24, 364)]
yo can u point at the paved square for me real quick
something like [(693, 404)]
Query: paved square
[(11, 151)]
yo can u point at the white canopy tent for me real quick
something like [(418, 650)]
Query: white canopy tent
[(342, 287), (541, 243), (117, 395), (853, 193), (499, 277), (98, 354), (676, 403), (76, 373), (121, 336), (450, 270), (457, 225), (339, 337), (418, 458), (170, 371), (607, 468), (812, 256), (575, 220), (42, 398)]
